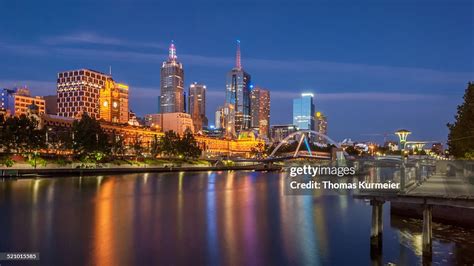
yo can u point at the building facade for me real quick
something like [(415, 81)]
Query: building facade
[(51, 102), (303, 112), (172, 84), (321, 127), (89, 91), (237, 98), (260, 110), (280, 132), (197, 106), (177, 122), (113, 102), (17, 101)]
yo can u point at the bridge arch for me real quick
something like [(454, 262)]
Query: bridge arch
[(303, 133)]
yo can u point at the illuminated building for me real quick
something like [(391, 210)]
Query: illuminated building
[(211, 146), (303, 112), (17, 101), (171, 84), (237, 98), (89, 91), (197, 105), (321, 126), (260, 110), (280, 132), (78, 92), (219, 118), (153, 120), (177, 122), (113, 99)]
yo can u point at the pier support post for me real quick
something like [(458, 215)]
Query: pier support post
[(402, 176), (427, 230), (376, 232), (377, 222)]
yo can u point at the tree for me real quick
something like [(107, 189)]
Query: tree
[(137, 146), (188, 146), (155, 146), (117, 144), (169, 144), (21, 134), (461, 132), (88, 136)]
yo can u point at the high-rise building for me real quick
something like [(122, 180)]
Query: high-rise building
[(92, 92), (172, 84), (237, 98), (260, 110), (321, 126), (197, 105), (303, 112), (17, 101)]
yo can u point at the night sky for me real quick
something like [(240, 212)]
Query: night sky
[(374, 66)]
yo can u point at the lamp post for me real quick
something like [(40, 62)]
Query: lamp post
[(402, 136)]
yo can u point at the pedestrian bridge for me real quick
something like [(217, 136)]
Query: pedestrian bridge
[(302, 136)]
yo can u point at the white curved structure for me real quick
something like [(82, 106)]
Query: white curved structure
[(303, 133)]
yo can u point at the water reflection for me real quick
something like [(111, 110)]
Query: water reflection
[(212, 218)]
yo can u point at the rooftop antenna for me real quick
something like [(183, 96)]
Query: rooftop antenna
[(238, 63), (110, 70)]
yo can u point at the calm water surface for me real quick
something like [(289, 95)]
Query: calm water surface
[(213, 218)]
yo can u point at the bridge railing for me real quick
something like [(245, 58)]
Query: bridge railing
[(434, 178)]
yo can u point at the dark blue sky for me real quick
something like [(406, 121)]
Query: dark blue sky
[(374, 66)]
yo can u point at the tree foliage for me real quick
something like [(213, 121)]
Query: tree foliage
[(88, 136), (21, 134), (172, 145), (461, 132)]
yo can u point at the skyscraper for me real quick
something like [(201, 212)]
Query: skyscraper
[(237, 97), (260, 110), (321, 126), (197, 105), (172, 84), (303, 112)]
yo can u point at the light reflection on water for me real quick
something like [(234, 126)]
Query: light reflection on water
[(212, 218)]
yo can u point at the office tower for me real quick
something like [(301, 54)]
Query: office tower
[(303, 112), (260, 110), (92, 92), (197, 105), (172, 84), (17, 101), (237, 100), (113, 101), (321, 126)]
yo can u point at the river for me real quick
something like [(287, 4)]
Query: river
[(211, 218)]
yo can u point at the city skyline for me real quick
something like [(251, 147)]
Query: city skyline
[(417, 73)]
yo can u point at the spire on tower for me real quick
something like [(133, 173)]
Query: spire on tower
[(238, 63), (172, 52)]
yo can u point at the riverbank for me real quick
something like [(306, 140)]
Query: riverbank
[(61, 172)]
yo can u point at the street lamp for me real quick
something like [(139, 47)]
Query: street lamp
[(402, 136)]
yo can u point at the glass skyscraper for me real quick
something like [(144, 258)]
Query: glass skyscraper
[(237, 97), (303, 112), (172, 84)]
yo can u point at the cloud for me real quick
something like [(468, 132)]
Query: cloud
[(360, 96), (94, 38)]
